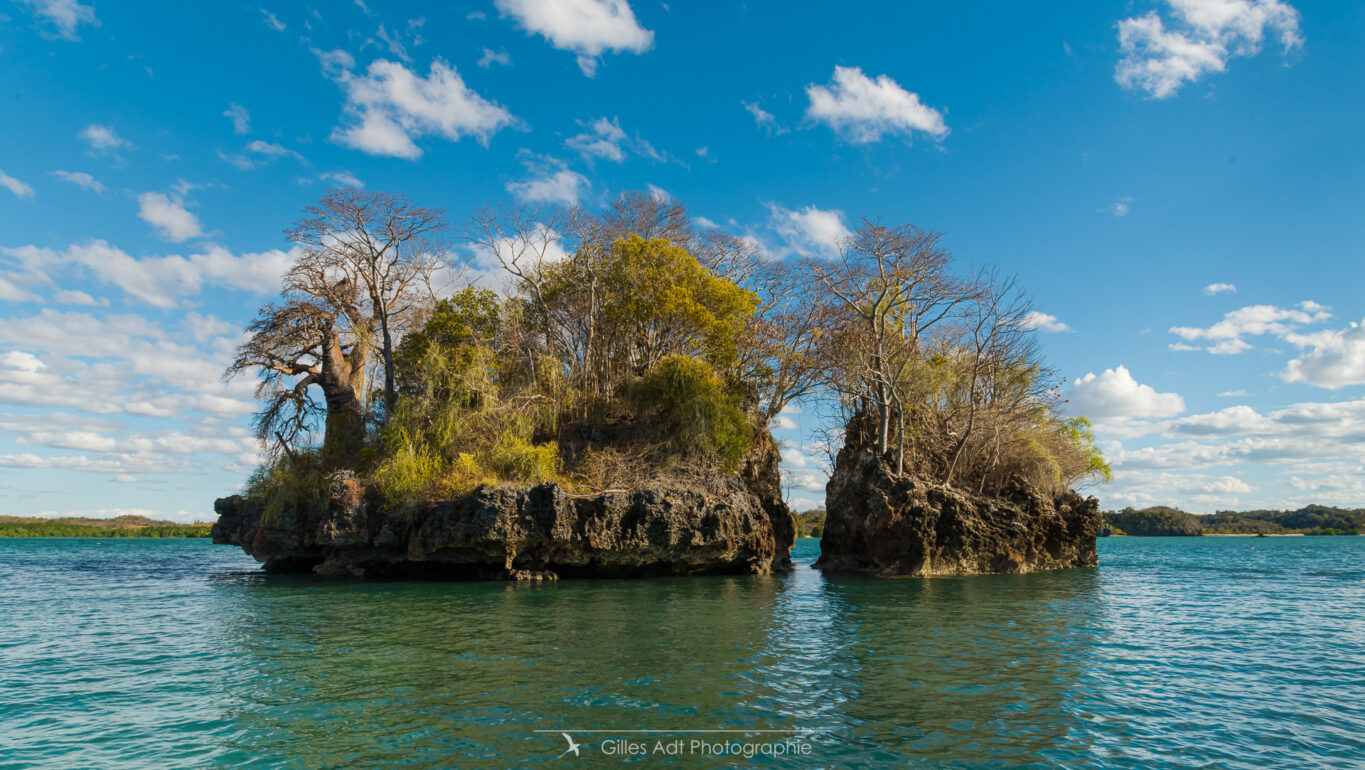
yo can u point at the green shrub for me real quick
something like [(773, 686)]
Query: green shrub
[(682, 400), (296, 481)]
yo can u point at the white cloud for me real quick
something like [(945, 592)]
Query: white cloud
[(65, 15), (765, 120), (863, 110), (75, 297), (102, 138), (169, 216), (1220, 288), (390, 106), (1251, 321), (272, 21), (1239, 393), (606, 140), (603, 141), (163, 281), (1120, 207), (1197, 38), (491, 57), (15, 186), (809, 231), (559, 186), (241, 119), (783, 423), (585, 27), (1044, 322), (271, 150), (342, 178), (1115, 396), (80, 179), (1335, 359)]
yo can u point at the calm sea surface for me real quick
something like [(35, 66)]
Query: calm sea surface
[(1190, 652)]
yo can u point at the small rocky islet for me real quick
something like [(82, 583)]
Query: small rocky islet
[(609, 413)]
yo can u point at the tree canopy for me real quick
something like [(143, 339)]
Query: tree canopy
[(620, 345)]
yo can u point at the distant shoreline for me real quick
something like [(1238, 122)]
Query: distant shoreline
[(119, 527)]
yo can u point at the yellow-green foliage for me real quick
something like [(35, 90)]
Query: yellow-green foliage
[(296, 481), (683, 400), (515, 458), (1054, 453), (451, 433)]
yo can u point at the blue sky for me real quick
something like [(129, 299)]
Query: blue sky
[(1177, 182)]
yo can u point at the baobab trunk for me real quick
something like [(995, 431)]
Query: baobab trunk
[(343, 383)]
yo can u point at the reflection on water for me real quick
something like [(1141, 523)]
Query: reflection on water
[(1173, 652)]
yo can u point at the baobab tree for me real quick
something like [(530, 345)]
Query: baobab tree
[(366, 262), (383, 246), (296, 346)]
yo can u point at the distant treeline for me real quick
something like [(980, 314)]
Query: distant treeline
[(1163, 521), (810, 523), (13, 526)]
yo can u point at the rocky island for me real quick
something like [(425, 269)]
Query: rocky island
[(607, 414)]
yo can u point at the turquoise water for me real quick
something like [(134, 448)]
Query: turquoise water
[(1223, 652)]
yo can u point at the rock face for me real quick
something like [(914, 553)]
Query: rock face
[(905, 527), (738, 525)]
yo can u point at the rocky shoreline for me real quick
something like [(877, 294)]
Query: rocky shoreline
[(731, 524)]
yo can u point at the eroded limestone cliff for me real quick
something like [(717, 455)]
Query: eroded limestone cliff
[(730, 524), (898, 526)]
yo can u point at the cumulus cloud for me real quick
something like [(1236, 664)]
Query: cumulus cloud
[(169, 216), (606, 140), (81, 180), (862, 109), (1196, 38), (241, 119), (1220, 288), (1334, 359), (809, 232), (162, 281), (1226, 336), (390, 106), (112, 364), (783, 423), (65, 15), (15, 186), (1115, 396), (588, 28), (551, 186), (102, 138), (1044, 322)]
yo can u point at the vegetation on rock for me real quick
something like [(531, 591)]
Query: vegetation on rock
[(624, 347)]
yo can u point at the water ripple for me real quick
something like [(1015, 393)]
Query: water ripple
[(1224, 652)]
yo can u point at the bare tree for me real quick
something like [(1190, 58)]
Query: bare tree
[(893, 286), (377, 242), (786, 351), (526, 242)]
